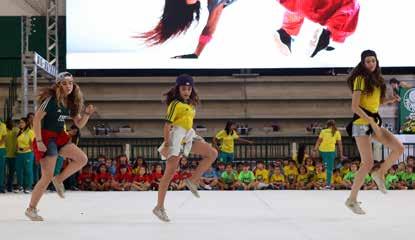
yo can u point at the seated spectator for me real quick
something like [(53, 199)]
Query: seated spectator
[(123, 160), (277, 181), (111, 168), (86, 178), (345, 168), (229, 179), (291, 173), (122, 180), (221, 168), (392, 180), (285, 163), (239, 168), (209, 179), (319, 180), (102, 180), (337, 180), (309, 164), (141, 181), (246, 178), (302, 179), (409, 177), (410, 160), (262, 176), (369, 184), (138, 163), (400, 171), (156, 176), (349, 177), (101, 159)]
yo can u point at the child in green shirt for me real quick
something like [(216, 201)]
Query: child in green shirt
[(392, 179), (369, 183), (228, 179), (349, 177), (246, 178)]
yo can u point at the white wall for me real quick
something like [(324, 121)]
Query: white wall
[(21, 8)]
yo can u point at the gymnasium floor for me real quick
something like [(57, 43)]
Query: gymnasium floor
[(216, 215)]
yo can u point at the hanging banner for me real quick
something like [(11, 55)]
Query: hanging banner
[(407, 111)]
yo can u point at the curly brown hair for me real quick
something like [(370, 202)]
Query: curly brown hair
[(74, 101)]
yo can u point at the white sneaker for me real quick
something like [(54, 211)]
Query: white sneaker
[(354, 206), (380, 182), (161, 214), (60, 189), (31, 213), (192, 187)]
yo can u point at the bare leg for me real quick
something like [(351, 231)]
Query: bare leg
[(79, 159), (390, 141), (171, 167), (209, 155), (364, 144), (47, 167)]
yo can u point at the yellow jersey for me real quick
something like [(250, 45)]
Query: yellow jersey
[(227, 141), (328, 140), (310, 168), (181, 114), (370, 102), (277, 178), (336, 180), (3, 134), (302, 178), (262, 175), (290, 171), (25, 141), (320, 177)]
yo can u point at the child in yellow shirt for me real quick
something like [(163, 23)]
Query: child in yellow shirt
[(277, 179), (302, 179)]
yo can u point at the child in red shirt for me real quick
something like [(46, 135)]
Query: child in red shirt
[(141, 181), (122, 180), (156, 177), (102, 179), (86, 178)]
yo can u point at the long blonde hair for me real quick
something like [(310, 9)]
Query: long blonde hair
[(74, 101)]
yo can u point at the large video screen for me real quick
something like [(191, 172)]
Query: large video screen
[(235, 34)]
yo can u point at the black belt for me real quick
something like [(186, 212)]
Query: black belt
[(375, 116)]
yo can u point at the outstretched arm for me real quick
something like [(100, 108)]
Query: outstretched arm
[(209, 29), (207, 32)]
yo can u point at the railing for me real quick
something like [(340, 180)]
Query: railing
[(266, 148), (10, 100)]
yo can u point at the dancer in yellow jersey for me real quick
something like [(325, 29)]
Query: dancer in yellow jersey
[(369, 88), (180, 139)]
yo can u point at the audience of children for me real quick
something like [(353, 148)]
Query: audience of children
[(105, 174)]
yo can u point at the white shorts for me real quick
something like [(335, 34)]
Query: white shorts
[(181, 141)]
